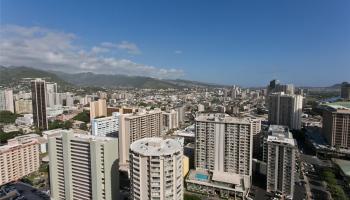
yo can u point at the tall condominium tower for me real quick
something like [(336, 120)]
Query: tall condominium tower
[(83, 167), (39, 103), (285, 109), (336, 125), (170, 120), (98, 108), (19, 158), (137, 126), (51, 91), (6, 100), (156, 169), (281, 150), (106, 126), (345, 90), (224, 144)]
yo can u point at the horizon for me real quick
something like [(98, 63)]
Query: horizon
[(242, 43)]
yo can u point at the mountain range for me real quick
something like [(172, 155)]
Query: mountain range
[(11, 76)]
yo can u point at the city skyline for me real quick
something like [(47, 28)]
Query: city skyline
[(226, 43)]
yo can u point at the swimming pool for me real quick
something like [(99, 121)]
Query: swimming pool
[(201, 177)]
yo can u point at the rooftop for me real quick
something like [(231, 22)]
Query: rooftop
[(280, 134), (222, 118), (344, 165), (155, 146)]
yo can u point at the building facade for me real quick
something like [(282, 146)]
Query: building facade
[(170, 120), (83, 167), (51, 92), (224, 143), (281, 152), (23, 106), (38, 87), (6, 100), (98, 108), (106, 126), (336, 125), (285, 109), (136, 126), (156, 169), (19, 158)]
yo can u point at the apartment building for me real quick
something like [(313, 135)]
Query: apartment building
[(98, 108), (281, 153), (83, 167), (170, 120), (23, 106), (336, 125), (6, 100), (223, 156), (285, 109), (106, 126), (156, 169), (19, 158), (137, 126)]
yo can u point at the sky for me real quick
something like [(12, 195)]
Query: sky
[(242, 42)]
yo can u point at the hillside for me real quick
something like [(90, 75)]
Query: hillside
[(13, 76), (114, 81)]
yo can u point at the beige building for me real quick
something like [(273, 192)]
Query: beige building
[(336, 125), (281, 152), (23, 106), (83, 167), (98, 109), (156, 170), (137, 126), (6, 100), (19, 158)]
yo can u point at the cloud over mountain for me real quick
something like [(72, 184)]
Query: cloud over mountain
[(55, 50)]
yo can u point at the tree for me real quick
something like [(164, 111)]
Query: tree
[(7, 117), (83, 116)]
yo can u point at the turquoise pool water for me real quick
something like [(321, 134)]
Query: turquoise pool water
[(201, 177)]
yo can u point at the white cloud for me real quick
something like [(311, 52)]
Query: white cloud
[(178, 52), (54, 50)]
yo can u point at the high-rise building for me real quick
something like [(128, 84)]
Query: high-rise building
[(285, 109), (223, 156), (19, 158), (156, 169), (6, 100), (181, 114), (38, 87), (23, 106), (136, 126), (281, 152), (83, 167), (51, 91), (345, 90), (106, 126), (256, 130), (336, 125), (98, 108), (224, 143), (170, 120)]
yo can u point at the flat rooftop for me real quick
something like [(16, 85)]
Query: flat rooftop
[(156, 146), (222, 118), (280, 134)]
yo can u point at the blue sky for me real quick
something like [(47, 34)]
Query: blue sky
[(305, 42)]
